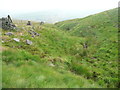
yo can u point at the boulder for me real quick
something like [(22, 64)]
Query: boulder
[(16, 39), (29, 42), (9, 33)]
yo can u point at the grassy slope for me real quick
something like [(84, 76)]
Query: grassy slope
[(29, 65), (100, 31)]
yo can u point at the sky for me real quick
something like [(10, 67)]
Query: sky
[(24, 6), (53, 10)]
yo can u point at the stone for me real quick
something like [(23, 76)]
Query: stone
[(16, 39), (14, 28), (33, 33), (7, 23), (85, 45), (30, 33), (41, 23), (9, 33), (51, 64), (37, 34), (2, 41), (33, 27), (29, 23), (23, 28), (29, 42)]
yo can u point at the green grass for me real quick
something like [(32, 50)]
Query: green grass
[(38, 75), (100, 33), (58, 57)]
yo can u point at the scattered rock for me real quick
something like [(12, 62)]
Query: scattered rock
[(29, 23), (33, 27), (16, 39), (29, 42), (51, 64), (23, 28), (2, 41), (41, 23), (37, 34), (33, 33), (14, 28), (9, 33), (30, 32)]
